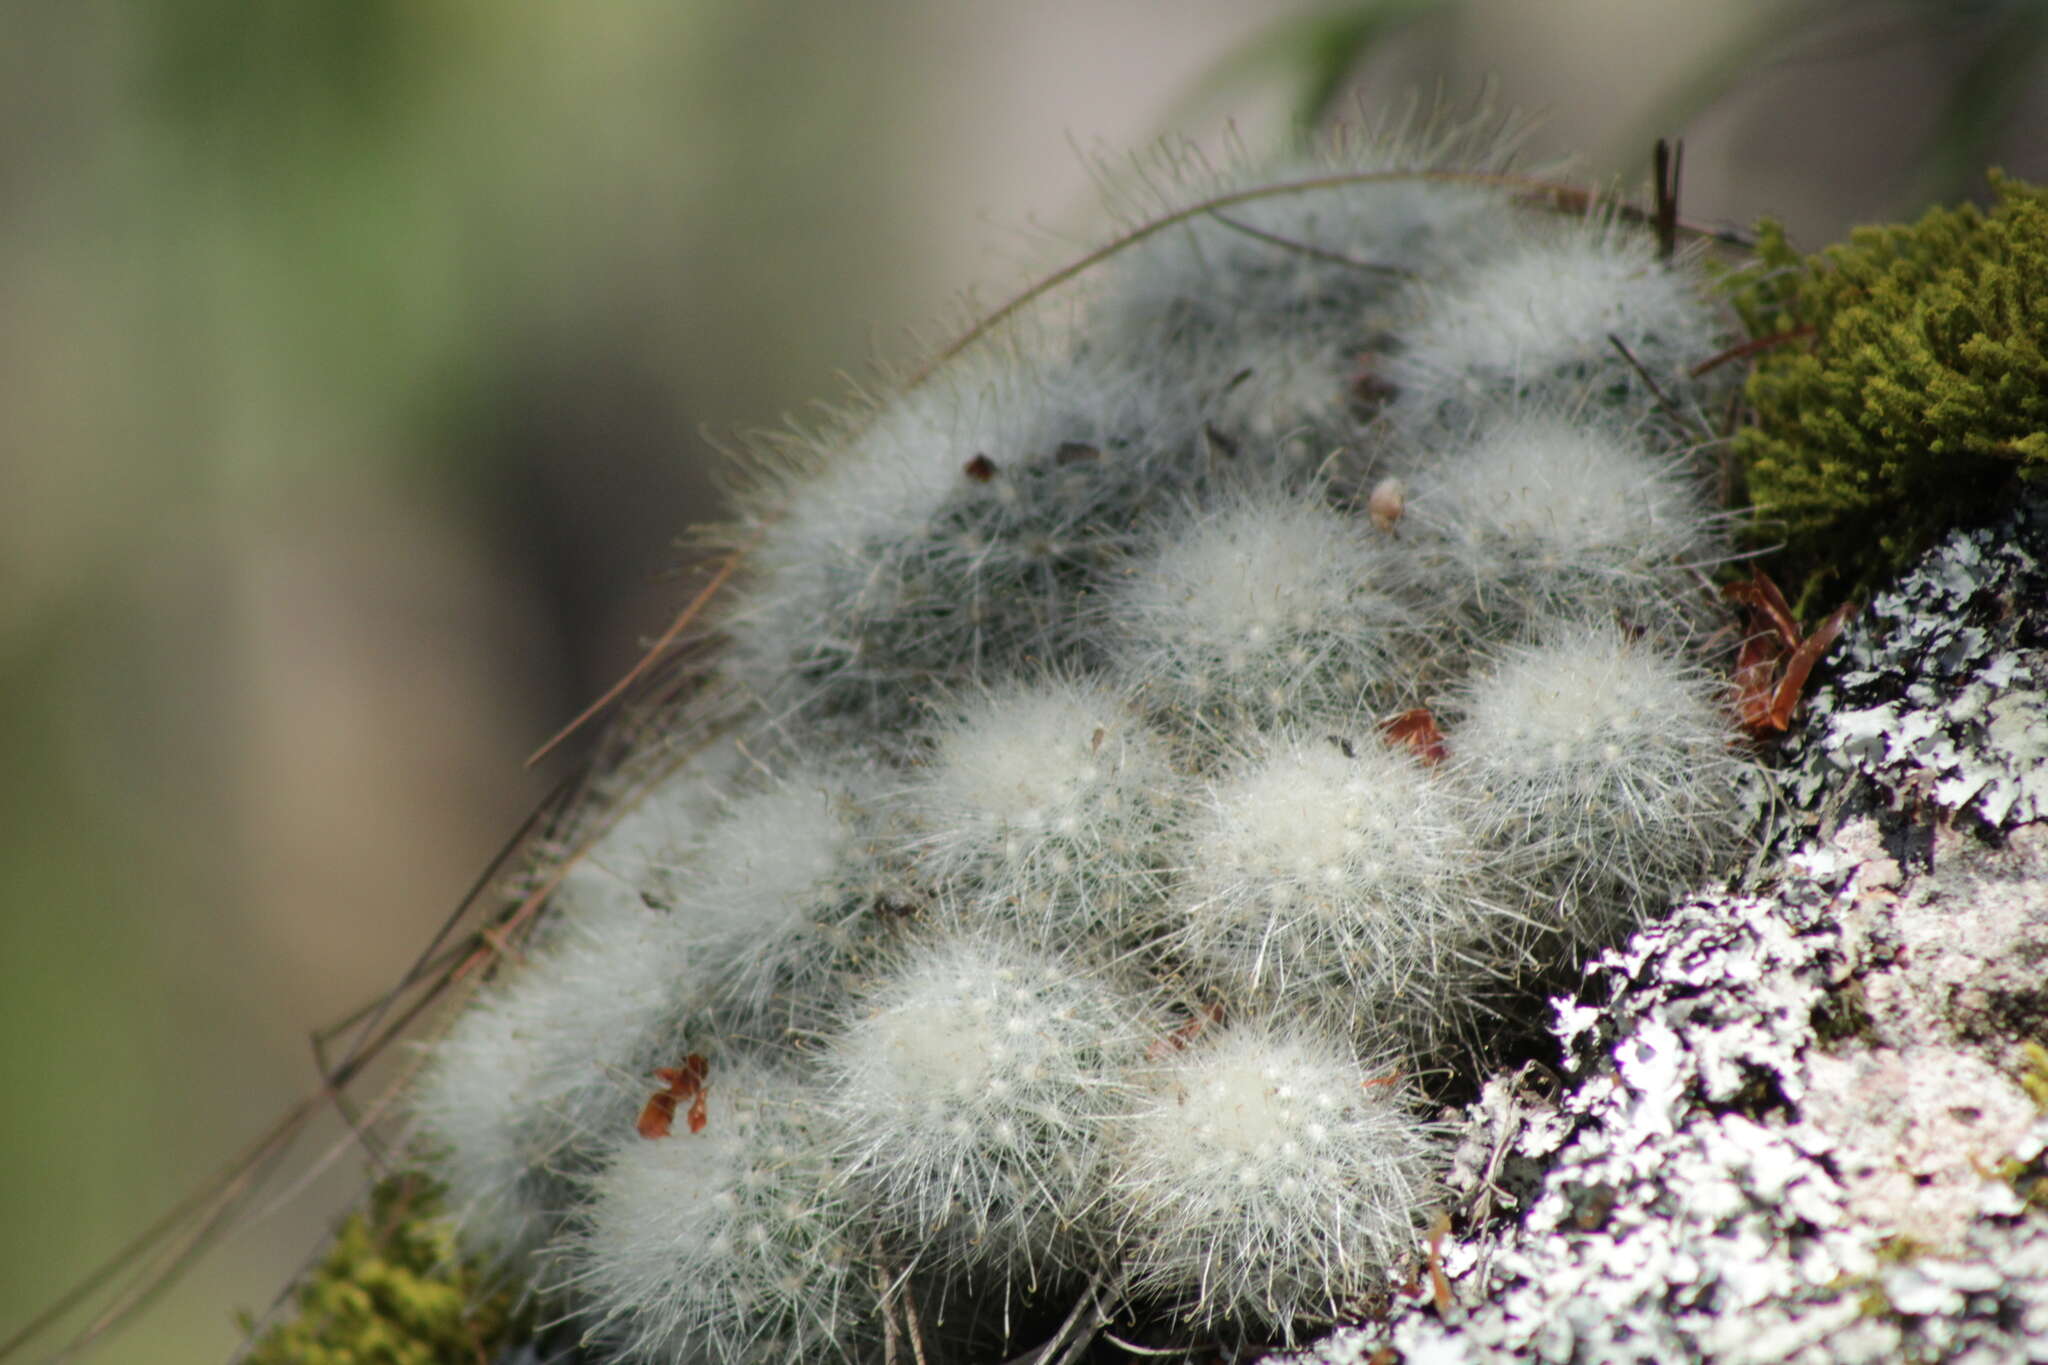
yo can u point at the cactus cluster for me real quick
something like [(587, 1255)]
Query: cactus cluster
[(1152, 751)]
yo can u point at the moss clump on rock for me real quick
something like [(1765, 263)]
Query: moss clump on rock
[(1911, 388), (2034, 1073), (392, 1290)]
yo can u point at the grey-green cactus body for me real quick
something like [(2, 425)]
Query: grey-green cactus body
[(1095, 885)]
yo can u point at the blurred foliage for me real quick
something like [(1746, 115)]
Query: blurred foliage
[(1316, 55), (2001, 49), (1903, 388), (278, 279), (71, 1076)]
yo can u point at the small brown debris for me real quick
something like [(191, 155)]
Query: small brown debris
[(1774, 661), (1417, 729), (891, 907), (1370, 390), (679, 1083), (1439, 1287), (1178, 1040), (1388, 500), (981, 469)]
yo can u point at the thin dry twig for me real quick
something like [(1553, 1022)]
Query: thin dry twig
[(1667, 162), (885, 1299), (1550, 194), (1656, 391), (668, 637), (914, 1322), (1744, 350), (1320, 253)]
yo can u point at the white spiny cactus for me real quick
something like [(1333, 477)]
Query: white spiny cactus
[(733, 1243), (1543, 511), (945, 542), (1605, 762), (971, 1092), (1266, 1174), (1560, 312), (1329, 867), (782, 911), (1045, 803), (1098, 674), (1261, 609), (1320, 265), (527, 1085)]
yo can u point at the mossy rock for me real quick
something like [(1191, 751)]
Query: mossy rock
[(392, 1290), (1905, 392)]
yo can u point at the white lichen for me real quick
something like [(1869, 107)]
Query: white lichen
[(1967, 725), (1738, 1171)]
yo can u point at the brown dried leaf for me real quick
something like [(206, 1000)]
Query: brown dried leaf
[(1417, 728)]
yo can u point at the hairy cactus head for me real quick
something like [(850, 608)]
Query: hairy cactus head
[(1266, 1173), (1332, 868), (736, 1245), (1045, 804), (1259, 607), (971, 1092), (1606, 760)]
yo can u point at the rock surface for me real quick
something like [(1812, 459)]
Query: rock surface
[(1808, 1122)]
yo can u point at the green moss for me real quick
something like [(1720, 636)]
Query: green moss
[(2034, 1073), (2029, 1180), (1907, 392), (1899, 1249), (393, 1290)]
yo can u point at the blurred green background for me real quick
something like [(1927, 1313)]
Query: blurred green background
[(355, 363)]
